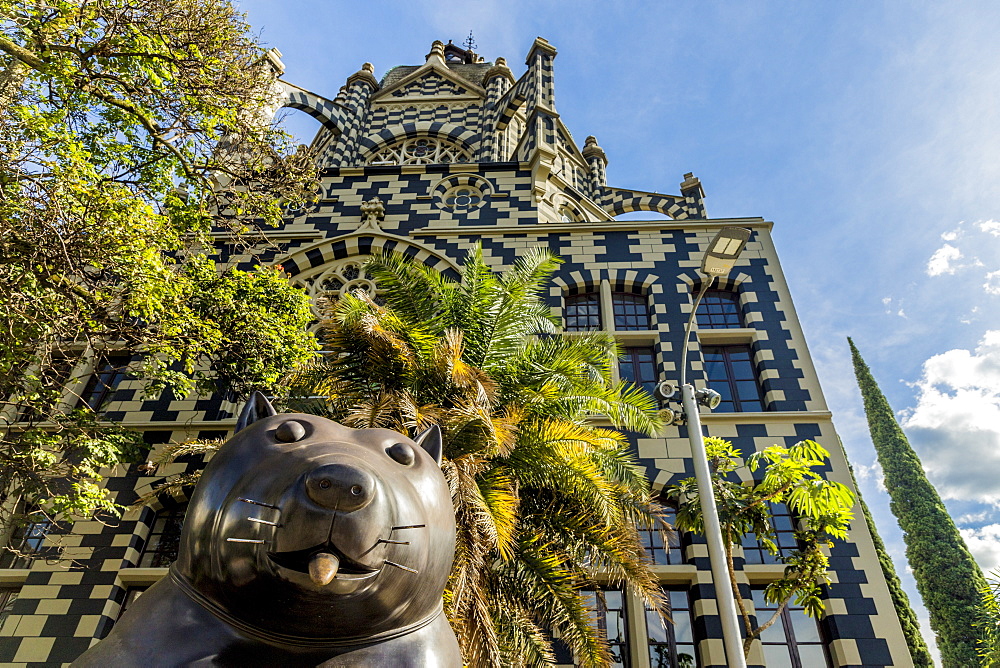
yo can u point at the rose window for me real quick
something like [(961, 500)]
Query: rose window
[(463, 197)]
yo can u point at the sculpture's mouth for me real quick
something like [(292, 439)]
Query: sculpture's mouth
[(323, 564)]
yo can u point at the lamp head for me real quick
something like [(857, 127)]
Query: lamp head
[(724, 250), (708, 397), (664, 391)]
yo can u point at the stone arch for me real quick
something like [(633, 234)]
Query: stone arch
[(446, 131), (320, 108), (308, 267)]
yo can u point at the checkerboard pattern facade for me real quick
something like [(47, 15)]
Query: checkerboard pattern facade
[(66, 605)]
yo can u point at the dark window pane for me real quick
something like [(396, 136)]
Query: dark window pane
[(611, 622), (672, 645), (631, 311), (637, 366), (730, 372), (719, 309), (104, 381), (26, 540), (164, 538), (583, 312)]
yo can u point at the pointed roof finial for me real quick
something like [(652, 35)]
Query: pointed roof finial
[(470, 43), (437, 52)]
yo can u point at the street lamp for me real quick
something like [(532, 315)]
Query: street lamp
[(717, 261)]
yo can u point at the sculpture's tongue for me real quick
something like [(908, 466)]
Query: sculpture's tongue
[(323, 568)]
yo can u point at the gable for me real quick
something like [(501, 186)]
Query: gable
[(431, 83)]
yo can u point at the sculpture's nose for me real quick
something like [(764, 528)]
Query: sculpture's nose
[(340, 487)]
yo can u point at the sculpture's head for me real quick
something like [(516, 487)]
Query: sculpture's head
[(303, 527)]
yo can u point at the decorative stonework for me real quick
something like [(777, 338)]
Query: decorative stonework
[(372, 211), (420, 151), (462, 193)]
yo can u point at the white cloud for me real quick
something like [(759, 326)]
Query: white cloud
[(984, 543), (886, 300), (942, 262), (951, 236), (991, 226), (973, 518), (992, 284), (955, 426)]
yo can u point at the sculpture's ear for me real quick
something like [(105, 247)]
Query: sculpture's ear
[(430, 440), (258, 407)]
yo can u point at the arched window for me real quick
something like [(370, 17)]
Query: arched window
[(420, 151), (719, 309)]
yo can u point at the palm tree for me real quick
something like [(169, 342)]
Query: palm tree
[(544, 499)]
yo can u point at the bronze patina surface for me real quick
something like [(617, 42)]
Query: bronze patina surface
[(305, 543)]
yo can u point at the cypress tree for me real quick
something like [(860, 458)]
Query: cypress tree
[(947, 576), (900, 601)]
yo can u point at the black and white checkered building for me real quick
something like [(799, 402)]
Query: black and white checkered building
[(460, 151)]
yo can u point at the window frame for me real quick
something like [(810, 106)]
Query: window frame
[(670, 630), (730, 379), (787, 625), (723, 318), (601, 607), (783, 525), (671, 549), (591, 310), (107, 375), (27, 540), (619, 309), (169, 520)]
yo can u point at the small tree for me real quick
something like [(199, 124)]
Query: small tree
[(132, 138), (989, 622), (788, 476)]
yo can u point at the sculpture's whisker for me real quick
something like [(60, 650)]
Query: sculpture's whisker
[(405, 568), (260, 521), (255, 541), (384, 540), (260, 503), (409, 526)]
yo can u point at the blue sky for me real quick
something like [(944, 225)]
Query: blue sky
[(869, 132)]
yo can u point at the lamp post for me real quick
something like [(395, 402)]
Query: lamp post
[(718, 260)]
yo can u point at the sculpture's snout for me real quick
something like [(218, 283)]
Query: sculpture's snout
[(341, 487)]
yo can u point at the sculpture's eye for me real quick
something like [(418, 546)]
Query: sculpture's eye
[(290, 432), (402, 453)]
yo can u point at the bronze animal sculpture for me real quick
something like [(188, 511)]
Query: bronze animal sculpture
[(305, 543)]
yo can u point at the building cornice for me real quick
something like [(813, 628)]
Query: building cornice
[(598, 226)]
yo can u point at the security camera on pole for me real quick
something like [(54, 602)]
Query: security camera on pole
[(718, 261)]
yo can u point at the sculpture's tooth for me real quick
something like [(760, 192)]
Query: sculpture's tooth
[(323, 568)]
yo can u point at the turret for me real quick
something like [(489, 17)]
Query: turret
[(597, 160), (354, 96), (497, 81)]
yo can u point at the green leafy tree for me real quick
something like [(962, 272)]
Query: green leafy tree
[(544, 498), (786, 477), (948, 578), (988, 622), (131, 141)]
